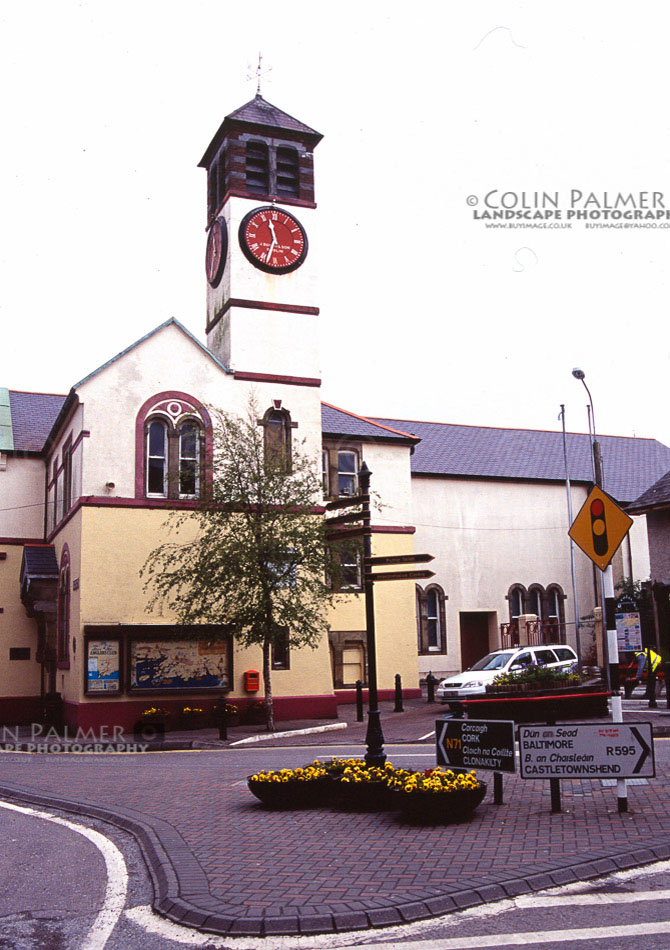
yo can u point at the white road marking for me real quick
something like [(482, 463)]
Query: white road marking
[(146, 918), (529, 939), (117, 876), (427, 736)]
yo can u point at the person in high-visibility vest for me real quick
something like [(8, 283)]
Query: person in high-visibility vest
[(641, 656)]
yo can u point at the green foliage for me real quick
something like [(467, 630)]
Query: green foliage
[(251, 555), (539, 677)]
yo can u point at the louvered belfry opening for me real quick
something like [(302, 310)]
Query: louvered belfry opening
[(288, 174), (257, 168)]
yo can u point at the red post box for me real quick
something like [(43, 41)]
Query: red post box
[(252, 681)]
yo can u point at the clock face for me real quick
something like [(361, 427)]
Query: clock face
[(217, 248), (273, 240)]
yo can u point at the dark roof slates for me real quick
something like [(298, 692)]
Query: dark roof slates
[(33, 415)]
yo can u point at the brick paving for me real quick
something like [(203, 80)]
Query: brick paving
[(223, 863)]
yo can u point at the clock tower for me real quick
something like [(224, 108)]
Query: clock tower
[(260, 259)]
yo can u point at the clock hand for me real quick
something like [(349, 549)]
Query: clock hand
[(271, 249)]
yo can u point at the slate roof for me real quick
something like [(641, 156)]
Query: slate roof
[(630, 465), (39, 560), (258, 113), (658, 496), (339, 422), (33, 415)]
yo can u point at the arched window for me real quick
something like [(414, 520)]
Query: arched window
[(536, 601), (517, 602), (157, 458), (189, 460), (277, 427), (555, 618), (173, 446), (431, 620), (63, 616)]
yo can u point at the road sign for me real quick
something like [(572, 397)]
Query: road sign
[(600, 527), (587, 750), (399, 559), (343, 519), (347, 502), (475, 744), (346, 534), (399, 575)]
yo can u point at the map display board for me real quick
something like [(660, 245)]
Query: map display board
[(178, 664), (102, 666)]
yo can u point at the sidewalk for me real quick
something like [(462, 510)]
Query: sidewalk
[(224, 864)]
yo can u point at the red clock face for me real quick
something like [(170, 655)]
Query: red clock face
[(273, 240), (217, 247)]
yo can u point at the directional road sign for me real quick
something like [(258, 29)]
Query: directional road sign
[(343, 519), (600, 527), (587, 750), (347, 502), (399, 575), (475, 744), (344, 534), (398, 559)]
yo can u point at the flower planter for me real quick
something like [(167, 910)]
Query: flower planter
[(362, 796), (149, 730), (538, 705), (439, 808), (291, 794)]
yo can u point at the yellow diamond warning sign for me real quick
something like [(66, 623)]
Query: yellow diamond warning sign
[(600, 527)]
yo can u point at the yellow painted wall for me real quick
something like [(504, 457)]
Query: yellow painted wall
[(395, 616), (18, 677), (116, 543)]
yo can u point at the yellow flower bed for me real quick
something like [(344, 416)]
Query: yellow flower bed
[(310, 773), (437, 781)]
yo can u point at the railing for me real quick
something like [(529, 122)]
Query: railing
[(509, 635), (539, 632)]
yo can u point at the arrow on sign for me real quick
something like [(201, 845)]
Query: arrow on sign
[(399, 575), (645, 750), (399, 559)]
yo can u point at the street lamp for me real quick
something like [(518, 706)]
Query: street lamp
[(597, 460)]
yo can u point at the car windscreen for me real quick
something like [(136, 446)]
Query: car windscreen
[(492, 661)]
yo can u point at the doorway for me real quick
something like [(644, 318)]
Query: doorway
[(474, 637)]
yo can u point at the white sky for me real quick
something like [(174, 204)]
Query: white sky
[(107, 108)]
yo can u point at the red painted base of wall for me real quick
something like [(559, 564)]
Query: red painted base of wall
[(95, 715), (20, 710), (345, 696)]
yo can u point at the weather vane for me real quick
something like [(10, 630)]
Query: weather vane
[(257, 72)]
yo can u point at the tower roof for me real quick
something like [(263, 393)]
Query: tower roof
[(261, 116)]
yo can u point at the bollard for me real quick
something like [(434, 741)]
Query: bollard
[(430, 686), (651, 689), (359, 701), (221, 718), (398, 694)]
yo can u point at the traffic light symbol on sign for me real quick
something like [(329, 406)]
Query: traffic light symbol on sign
[(599, 527)]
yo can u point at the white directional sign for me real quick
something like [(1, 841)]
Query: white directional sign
[(587, 750)]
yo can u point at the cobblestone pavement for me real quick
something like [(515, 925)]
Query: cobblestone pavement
[(221, 862)]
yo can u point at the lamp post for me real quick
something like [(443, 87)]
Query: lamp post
[(610, 646), (605, 576), (374, 737)]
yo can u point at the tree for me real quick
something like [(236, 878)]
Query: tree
[(251, 554)]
